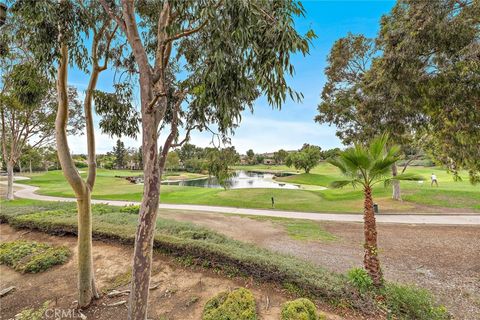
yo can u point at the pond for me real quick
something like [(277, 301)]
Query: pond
[(241, 180)]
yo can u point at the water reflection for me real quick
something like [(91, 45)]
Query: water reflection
[(241, 179)]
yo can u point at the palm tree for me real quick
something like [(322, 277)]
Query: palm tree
[(367, 166)]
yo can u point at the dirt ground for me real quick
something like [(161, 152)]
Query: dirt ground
[(444, 259), (181, 293)]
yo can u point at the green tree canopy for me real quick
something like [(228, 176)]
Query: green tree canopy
[(305, 159)]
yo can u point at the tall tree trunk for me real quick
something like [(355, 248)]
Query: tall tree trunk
[(396, 194), (86, 279), (370, 259), (86, 283), (10, 165), (30, 166), (142, 257), (20, 166)]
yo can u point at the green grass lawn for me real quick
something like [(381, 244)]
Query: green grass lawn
[(450, 193)]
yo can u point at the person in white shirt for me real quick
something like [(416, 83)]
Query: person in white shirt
[(434, 180)]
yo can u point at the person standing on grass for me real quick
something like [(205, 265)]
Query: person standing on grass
[(434, 180), (273, 202)]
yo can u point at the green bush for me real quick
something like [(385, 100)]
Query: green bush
[(360, 279), (134, 209), (300, 309), (80, 164), (410, 302), (32, 257), (33, 314), (238, 304)]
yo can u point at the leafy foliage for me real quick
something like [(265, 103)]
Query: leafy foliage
[(410, 302), (219, 162), (367, 166), (120, 154), (359, 278), (131, 209), (33, 314), (305, 159), (119, 116), (238, 304), (300, 309), (32, 257), (416, 81)]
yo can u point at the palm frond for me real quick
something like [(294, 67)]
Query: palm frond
[(381, 167), (355, 158), (393, 152), (377, 146), (403, 177), (340, 183), (337, 162)]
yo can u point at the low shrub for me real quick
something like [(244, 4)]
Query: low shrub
[(32, 257), (411, 302), (238, 304), (300, 309), (359, 278), (32, 313), (133, 209)]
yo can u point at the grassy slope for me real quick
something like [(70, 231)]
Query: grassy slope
[(200, 246), (449, 194)]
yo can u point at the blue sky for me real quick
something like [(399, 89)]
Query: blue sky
[(266, 129)]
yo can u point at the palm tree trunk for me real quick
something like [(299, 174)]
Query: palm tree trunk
[(370, 260)]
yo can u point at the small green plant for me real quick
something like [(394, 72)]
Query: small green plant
[(360, 279), (32, 257), (300, 309), (192, 300), (118, 281), (33, 314), (410, 302), (133, 209), (238, 304)]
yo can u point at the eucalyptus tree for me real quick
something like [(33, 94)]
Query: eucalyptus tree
[(367, 166), (27, 103), (431, 50), (54, 31), (219, 162), (227, 53), (362, 103)]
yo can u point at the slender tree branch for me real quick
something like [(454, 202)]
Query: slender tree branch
[(187, 32), (111, 13)]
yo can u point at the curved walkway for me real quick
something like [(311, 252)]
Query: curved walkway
[(29, 192)]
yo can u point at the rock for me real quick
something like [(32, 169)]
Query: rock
[(6, 291)]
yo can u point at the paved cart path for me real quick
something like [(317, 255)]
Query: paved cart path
[(29, 192)]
